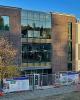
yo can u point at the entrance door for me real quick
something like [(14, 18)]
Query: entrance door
[(36, 79)]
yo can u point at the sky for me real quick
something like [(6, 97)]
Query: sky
[(62, 6)]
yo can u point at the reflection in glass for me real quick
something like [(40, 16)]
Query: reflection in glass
[(36, 34), (36, 26), (37, 21), (4, 23), (70, 30), (36, 52), (30, 14), (30, 34), (36, 16)]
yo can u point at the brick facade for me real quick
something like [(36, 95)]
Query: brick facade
[(60, 41), (14, 34)]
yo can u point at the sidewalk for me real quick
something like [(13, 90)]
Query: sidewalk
[(27, 95)]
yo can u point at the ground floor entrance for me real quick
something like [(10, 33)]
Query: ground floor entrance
[(38, 77), (37, 71)]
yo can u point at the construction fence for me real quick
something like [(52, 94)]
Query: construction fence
[(41, 81), (38, 81)]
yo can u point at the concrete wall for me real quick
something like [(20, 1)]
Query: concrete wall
[(14, 34), (78, 46), (60, 41)]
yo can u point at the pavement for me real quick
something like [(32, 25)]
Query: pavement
[(29, 95)]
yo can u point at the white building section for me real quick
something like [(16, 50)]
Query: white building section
[(78, 46)]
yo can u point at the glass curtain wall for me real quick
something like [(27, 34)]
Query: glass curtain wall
[(36, 53), (36, 25)]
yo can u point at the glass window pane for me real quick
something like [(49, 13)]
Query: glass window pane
[(30, 15), (70, 30), (36, 34), (30, 34), (48, 17), (24, 22), (37, 52), (42, 17), (48, 24), (4, 22), (37, 23), (42, 24), (24, 13), (36, 16), (30, 23)]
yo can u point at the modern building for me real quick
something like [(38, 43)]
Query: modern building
[(63, 42), (78, 46), (45, 41), (10, 28)]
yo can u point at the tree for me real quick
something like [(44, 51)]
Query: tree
[(7, 56)]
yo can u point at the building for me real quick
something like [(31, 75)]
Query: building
[(63, 42), (78, 46), (10, 28), (36, 41), (45, 41)]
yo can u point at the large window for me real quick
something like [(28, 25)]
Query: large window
[(69, 66), (36, 28), (36, 53), (38, 22), (69, 46), (70, 30), (4, 23)]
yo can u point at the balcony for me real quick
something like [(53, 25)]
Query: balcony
[(34, 65), (35, 40)]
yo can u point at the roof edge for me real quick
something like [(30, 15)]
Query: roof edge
[(64, 14), (1, 6)]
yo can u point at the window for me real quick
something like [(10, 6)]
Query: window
[(39, 23), (48, 17), (78, 51), (4, 23), (69, 66), (43, 24), (24, 22), (30, 15), (36, 26), (70, 30), (70, 51), (48, 24), (36, 34), (31, 23), (23, 13), (36, 52), (69, 46), (30, 34), (33, 34), (42, 17), (36, 16)]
